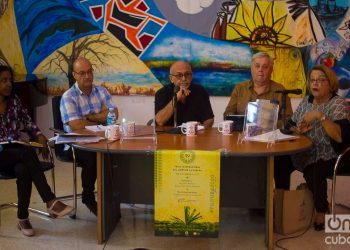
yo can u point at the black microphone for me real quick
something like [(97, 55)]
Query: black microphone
[(176, 89), (289, 91)]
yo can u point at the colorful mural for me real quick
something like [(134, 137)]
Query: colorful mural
[(132, 43)]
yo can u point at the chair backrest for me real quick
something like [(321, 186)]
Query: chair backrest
[(57, 121), (342, 165), (60, 153)]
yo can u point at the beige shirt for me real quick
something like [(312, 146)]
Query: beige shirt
[(244, 93)]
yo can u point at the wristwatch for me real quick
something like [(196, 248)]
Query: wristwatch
[(323, 118)]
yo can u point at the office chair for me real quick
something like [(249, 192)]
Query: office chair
[(343, 158), (45, 166), (64, 155)]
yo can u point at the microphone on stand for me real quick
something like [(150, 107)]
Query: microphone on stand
[(289, 91), (176, 89), (284, 93)]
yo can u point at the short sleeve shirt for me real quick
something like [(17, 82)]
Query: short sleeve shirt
[(197, 106), (75, 104), (335, 109)]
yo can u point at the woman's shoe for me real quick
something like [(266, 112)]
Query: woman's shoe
[(25, 227), (59, 209), (319, 221)]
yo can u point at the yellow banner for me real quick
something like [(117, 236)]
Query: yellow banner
[(187, 192)]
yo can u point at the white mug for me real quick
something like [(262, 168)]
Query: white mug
[(226, 127), (190, 128), (112, 132), (129, 128)]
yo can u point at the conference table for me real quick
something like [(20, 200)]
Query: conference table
[(120, 162)]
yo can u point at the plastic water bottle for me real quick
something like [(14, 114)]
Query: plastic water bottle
[(111, 117)]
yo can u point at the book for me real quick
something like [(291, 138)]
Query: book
[(77, 138), (30, 143)]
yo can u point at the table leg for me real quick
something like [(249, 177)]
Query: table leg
[(269, 202), (99, 198)]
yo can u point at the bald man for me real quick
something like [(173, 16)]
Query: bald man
[(81, 105), (192, 103)]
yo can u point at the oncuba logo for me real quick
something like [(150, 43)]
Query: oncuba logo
[(337, 223)]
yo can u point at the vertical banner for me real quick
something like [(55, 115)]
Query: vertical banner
[(187, 189)]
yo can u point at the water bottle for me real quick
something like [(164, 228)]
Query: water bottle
[(111, 117)]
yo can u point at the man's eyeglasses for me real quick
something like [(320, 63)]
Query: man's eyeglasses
[(85, 73), (181, 75), (319, 80)]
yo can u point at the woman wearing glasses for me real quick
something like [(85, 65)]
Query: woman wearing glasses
[(323, 117), (20, 160)]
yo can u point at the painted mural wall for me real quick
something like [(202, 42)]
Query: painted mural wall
[(131, 43)]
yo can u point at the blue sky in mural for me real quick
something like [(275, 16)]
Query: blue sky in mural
[(44, 26), (218, 65), (339, 2)]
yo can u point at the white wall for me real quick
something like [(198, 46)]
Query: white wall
[(137, 108)]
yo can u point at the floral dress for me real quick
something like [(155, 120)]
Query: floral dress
[(15, 120)]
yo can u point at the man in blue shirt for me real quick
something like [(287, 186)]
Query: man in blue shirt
[(82, 105)]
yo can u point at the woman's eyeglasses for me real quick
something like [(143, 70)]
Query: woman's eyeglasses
[(319, 80)]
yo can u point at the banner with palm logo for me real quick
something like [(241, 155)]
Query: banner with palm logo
[(187, 192)]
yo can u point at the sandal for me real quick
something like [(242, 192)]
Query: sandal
[(25, 227), (58, 209)]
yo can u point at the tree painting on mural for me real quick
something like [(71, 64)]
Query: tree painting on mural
[(115, 67), (84, 47)]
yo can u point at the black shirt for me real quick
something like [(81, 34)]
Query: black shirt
[(196, 107)]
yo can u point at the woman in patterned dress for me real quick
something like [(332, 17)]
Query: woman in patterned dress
[(22, 160), (323, 117)]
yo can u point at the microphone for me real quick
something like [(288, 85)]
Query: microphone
[(176, 89), (289, 91)]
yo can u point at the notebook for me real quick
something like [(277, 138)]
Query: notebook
[(238, 121)]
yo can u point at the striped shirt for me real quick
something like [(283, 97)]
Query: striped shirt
[(75, 104)]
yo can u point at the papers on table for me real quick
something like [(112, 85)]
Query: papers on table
[(271, 136), (96, 128), (76, 138)]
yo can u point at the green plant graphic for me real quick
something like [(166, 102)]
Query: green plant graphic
[(190, 217)]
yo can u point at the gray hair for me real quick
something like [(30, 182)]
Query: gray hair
[(262, 54)]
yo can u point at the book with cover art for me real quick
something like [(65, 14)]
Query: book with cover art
[(30, 143)]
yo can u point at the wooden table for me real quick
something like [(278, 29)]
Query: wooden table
[(209, 139)]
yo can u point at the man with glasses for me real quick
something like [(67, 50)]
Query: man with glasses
[(259, 87), (82, 105), (190, 101)]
